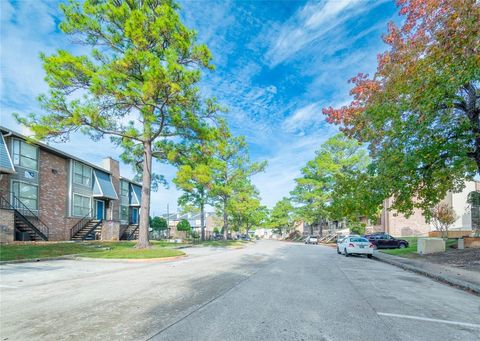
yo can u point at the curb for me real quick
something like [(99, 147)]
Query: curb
[(35, 260), (466, 286), (129, 260)]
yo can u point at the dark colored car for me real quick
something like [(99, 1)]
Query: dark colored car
[(383, 240)]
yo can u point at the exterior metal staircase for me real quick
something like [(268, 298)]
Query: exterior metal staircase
[(130, 233), (86, 229), (26, 221)]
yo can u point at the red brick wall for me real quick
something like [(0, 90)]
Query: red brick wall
[(399, 225), (53, 194), (4, 183)]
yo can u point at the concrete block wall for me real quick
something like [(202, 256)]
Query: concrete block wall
[(110, 230)]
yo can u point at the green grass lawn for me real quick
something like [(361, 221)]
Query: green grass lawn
[(412, 247), (121, 250)]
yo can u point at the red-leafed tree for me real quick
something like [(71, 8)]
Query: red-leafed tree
[(420, 112)]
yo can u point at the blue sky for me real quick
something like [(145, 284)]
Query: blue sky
[(277, 64)]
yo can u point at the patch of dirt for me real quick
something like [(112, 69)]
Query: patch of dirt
[(468, 259)]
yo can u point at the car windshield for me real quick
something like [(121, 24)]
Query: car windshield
[(359, 240)]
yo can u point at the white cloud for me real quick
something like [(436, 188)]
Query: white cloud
[(312, 23), (282, 122), (307, 116), (291, 153)]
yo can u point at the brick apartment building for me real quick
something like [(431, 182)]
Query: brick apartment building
[(47, 194), (468, 216)]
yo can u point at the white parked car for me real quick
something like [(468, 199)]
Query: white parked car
[(311, 240), (355, 246), (341, 238)]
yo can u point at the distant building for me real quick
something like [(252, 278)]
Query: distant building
[(324, 228), (263, 233), (211, 221), (399, 225)]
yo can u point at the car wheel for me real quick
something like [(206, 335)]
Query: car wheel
[(402, 246), (338, 251), (346, 253), (369, 256)]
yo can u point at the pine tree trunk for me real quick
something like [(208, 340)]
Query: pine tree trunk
[(225, 220), (202, 221), (143, 242)]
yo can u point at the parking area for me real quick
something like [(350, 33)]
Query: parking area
[(268, 291)]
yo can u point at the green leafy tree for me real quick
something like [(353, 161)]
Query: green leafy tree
[(195, 177), (281, 216), (355, 196), (357, 228), (328, 189), (184, 225), (231, 166), (138, 86), (158, 223), (244, 208), (420, 111)]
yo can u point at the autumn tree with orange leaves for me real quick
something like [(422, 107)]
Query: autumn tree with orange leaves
[(420, 111)]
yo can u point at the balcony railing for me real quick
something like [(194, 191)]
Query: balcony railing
[(81, 224), (16, 204)]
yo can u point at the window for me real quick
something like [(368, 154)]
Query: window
[(26, 193), (123, 213), (124, 189), (81, 205), (82, 174), (124, 194), (359, 240), (25, 155)]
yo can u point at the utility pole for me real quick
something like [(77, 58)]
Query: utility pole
[(168, 222)]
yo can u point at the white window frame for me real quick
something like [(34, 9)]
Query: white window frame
[(83, 176), (121, 188), (73, 205), (18, 196), (17, 161), (128, 214)]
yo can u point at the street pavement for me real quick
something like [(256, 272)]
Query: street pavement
[(268, 291)]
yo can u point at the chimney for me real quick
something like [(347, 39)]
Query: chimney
[(113, 166)]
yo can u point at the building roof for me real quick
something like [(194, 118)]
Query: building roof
[(6, 165), (135, 195), (51, 149), (103, 186)]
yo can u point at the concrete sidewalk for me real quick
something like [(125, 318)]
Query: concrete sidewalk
[(464, 279)]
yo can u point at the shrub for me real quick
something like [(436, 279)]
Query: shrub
[(357, 228)]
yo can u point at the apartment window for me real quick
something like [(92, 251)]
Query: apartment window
[(81, 205), (26, 193), (124, 189), (25, 155), (123, 213), (82, 174)]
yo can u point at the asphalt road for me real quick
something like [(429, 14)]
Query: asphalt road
[(269, 291)]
